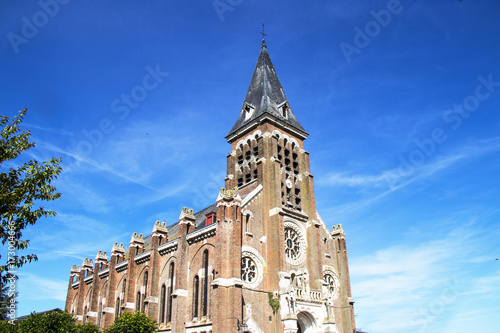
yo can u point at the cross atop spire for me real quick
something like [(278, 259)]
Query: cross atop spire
[(263, 36)]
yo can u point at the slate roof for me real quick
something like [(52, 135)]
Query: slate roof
[(265, 94)]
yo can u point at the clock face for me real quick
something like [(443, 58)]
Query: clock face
[(288, 183)]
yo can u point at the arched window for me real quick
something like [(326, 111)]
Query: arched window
[(117, 308), (84, 319), (145, 294), (196, 290), (204, 308), (138, 301), (169, 294), (124, 287), (162, 303), (99, 315)]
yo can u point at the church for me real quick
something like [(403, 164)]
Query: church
[(259, 259)]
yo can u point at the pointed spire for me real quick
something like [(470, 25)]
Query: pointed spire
[(265, 99)]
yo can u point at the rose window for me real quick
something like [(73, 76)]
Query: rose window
[(330, 281), (292, 243), (248, 270)]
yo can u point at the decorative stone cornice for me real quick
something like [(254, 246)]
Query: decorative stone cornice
[(294, 213), (118, 248), (168, 247), (91, 314), (337, 230), (142, 257), (228, 194), (101, 256), (180, 292), (103, 273), (121, 266), (129, 305), (151, 299), (187, 214), (160, 228), (87, 263), (136, 239), (88, 279), (221, 282), (199, 235), (76, 269)]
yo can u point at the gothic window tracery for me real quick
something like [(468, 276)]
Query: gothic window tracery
[(252, 267), (292, 244), (330, 281), (295, 243), (248, 270), (332, 284)]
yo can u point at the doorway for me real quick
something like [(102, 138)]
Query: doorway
[(306, 323)]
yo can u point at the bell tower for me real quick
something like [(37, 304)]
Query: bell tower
[(282, 235)]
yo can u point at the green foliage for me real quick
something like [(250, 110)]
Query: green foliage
[(136, 322), (87, 328), (274, 303), (6, 327), (49, 322), (21, 190), (7, 299)]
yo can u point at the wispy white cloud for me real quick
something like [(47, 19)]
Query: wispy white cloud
[(397, 179), (401, 280), (34, 287)]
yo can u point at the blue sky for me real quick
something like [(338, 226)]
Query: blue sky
[(401, 98)]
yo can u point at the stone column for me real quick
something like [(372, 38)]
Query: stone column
[(180, 293), (75, 271), (136, 245), (227, 292), (160, 232), (100, 259), (86, 270), (117, 252)]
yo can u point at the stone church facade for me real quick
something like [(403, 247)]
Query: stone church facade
[(227, 267)]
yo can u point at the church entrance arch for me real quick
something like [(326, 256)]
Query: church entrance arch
[(306, 323)]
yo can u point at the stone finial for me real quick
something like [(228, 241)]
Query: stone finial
[(337, 230), (87, 263), (118, 248), (187, 214), (76, 269), (101, 256), (160, 227), (228, 194), (136, 239)]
